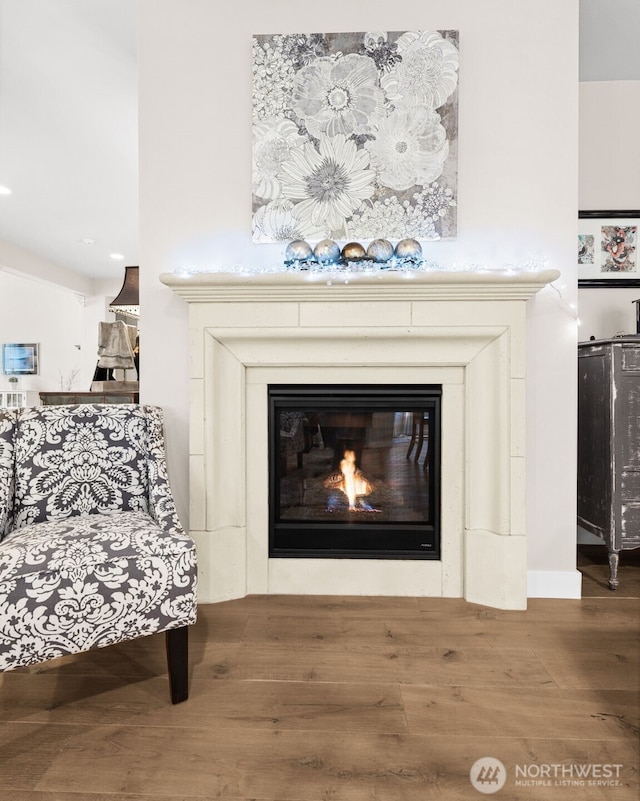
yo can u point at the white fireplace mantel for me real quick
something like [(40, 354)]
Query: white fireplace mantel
[(463, 330), (384, 285)]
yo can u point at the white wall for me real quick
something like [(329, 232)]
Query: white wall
[(64, 323), (609, 180), (518, 178), (609, 158), (604, 313), (31, 311)]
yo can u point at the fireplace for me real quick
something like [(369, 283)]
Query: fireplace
[(354, 471), (462, 331)]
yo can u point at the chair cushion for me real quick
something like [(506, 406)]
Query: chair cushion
[(91, 580), (73, 460)]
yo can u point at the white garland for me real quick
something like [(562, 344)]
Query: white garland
[(366, 267)]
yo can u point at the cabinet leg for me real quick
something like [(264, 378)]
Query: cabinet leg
[(614, 559)]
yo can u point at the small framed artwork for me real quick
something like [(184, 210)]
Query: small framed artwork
[(19, 358), (608, 248)]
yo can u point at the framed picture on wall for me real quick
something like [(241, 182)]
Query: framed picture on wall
[(355, 135), (608, 248), (19, 358)]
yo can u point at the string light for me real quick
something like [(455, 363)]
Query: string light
[(408, 267)]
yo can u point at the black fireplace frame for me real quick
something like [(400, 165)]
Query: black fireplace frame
[(356, 540)]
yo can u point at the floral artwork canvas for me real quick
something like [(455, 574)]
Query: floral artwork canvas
[(586, 244), (618, 246), (355, 136)]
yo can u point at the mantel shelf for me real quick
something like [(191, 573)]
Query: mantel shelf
[(206, 287)]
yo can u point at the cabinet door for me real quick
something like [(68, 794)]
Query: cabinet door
[(627, 438), (51, 399), (14, 400), (595, 456)]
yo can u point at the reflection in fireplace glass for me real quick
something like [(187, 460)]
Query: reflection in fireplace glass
[(354, 471)]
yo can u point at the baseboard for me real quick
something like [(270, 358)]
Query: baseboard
[(554, 584)]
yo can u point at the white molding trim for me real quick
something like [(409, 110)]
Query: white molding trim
[(554, 584)]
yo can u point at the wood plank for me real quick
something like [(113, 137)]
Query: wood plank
[(314, 631), (479, 667), (251, 704), (507, 712), (37, 795), (611, 670), (609, 608), (323, 605), (503, 632)]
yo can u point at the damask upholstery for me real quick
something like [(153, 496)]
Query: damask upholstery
[(92, 551), (7, 472)]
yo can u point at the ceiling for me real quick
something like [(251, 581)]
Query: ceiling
[(68, 121), (68, 131)]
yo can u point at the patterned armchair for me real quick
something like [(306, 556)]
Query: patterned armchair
[(91, 549)]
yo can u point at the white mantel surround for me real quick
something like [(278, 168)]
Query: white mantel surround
[(464, 330)]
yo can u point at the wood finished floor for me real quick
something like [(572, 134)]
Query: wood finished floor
[(340, 699)]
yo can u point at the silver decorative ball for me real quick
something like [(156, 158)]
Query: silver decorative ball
[(408, 249), (353, 251), (327, 251), (380, 250), (298, 250)]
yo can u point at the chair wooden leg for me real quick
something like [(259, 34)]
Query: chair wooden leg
[(178, 663)]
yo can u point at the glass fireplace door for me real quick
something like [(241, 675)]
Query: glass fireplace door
[(354, 471)]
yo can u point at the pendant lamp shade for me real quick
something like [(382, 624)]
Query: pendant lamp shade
[(128, 299)]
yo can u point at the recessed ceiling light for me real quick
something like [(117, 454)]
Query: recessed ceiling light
[(4, 190), (117, 256)]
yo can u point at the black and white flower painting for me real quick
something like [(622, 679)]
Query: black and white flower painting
[(355, 135)]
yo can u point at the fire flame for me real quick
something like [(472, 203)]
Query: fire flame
[(350, 480), (348, 469)]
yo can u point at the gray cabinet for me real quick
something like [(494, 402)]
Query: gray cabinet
[(609, 444)]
